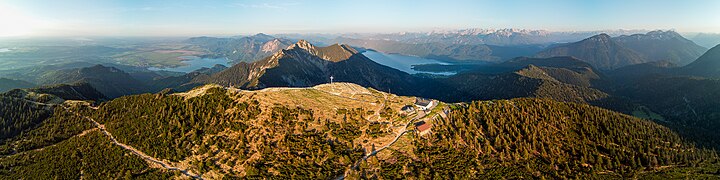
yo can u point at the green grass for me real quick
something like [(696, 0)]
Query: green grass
[(645, 113)]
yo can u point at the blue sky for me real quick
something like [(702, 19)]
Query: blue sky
[(224, 17)]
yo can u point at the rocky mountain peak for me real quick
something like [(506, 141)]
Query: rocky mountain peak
[(335, 52), (271, 46), (600, 37), (303, 44), (669, 33), (652, 35)]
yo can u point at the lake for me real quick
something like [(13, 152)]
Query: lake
[(195, 63), (403, 62)]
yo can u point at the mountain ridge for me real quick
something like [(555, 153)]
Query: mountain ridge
[(303, 64), (663, 46), (606, 52), (112, 82), (707, 65), (599, 50)]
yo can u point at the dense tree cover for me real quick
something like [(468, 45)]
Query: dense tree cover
[(91, 156), (689, 105), (528, 82), (60, 126), (322, 152), (168, 127), (17, 115), (539, 138), (309, 154), (32, 118), (237, 136), (231, 138)]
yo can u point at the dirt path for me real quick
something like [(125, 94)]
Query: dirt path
[(399, 135), (101, 127)]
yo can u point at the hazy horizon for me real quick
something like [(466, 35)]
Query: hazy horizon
[(30, 18)]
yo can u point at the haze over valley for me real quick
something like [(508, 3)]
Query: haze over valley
[(282, 89)]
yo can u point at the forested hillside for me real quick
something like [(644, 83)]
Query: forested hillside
[(687, 104), (336, 130), (538, 138), (112, 82)]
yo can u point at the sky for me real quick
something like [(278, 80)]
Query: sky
[(225, 17)]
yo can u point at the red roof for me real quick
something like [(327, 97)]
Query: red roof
[(423, 127)]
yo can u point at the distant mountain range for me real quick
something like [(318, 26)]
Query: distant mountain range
[(444, 51), (303, 64), (480, 45), (490, 45), (601, 51), (475, 36), (663, 46), (605, 52), (287, 121), (241, 49), (707, 40)]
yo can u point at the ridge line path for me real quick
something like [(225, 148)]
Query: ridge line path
[(276, 89), (101, 127)]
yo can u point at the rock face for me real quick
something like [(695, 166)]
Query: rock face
[(241, 49), (272, 46), (303, 65)]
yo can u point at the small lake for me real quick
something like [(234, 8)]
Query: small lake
[(404, 63), (195, 63)]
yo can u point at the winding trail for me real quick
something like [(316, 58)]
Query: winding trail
[(373, 153), (101, 127), (380, 149)]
